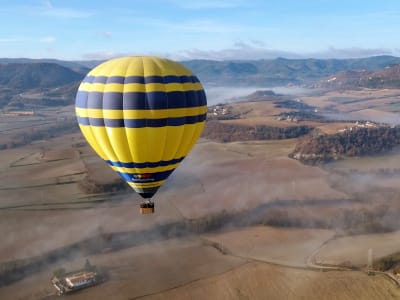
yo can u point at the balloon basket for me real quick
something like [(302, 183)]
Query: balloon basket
[(147, 208)]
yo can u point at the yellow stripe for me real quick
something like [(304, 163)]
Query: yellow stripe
[(140, 66), (143, 144), (145, 170), (98, 142), (159, 146), (146, 185), (140, 113), (189, 139), (139, 87)]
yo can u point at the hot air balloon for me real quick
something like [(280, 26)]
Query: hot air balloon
[(142, 115)]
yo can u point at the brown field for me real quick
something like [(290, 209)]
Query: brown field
[(375, 105), (354, 249), (365, 164), (138, 271), (262, 281), (281, 246), (331, 98), (332, 128), (236, 176), (379, 105), (188, 269), (257, 109), (42, 208)]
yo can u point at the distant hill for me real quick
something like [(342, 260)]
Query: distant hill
[(272, 72), (25, 85), (78, 66), (389, 77), (54, 82), (281, 71), (36, 75)]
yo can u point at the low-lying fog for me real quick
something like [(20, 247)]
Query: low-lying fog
[(225, 94), (229, 94)]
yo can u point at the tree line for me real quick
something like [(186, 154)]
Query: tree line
[(319, 148), (228, 132)]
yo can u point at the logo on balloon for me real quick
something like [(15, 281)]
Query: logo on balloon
[(142, 177)]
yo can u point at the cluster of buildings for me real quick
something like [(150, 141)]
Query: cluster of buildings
[(359, 124), (220, 110), (288, 119)]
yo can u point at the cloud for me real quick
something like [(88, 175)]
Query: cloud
[(47, 39), (45, 9), (10, 40), (209, 4), (105, 34), (101, 55), (109, 54), (252, 50), (225, 94), (194, 26), (255, 50), (47, 3), (258, 43), (48, 9), (352, 52), (240, 50), (51, 50)]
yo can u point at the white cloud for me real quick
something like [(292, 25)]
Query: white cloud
[(106, 34), (10, 40), (47, 39), (66, 13), (248, 51), (245, 51), (204, 26), (352, 52), (47, 8), (209, 4), (101, 55), (47, 3), (51, 50), (240, 50), (192, 26), (258, 43)]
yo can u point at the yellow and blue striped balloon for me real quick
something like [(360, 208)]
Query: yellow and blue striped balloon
[(142, 115)]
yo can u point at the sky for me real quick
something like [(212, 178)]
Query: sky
[(199, 29)]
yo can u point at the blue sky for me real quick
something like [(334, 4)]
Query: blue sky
[(193, 29)]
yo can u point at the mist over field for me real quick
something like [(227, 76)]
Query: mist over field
[(230, 94)]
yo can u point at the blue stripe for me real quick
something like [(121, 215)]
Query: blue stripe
[(141, 79), (159, 176), (139, 100), (141, 123), (162, 163)]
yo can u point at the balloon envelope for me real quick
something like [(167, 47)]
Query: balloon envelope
[(142, 115)]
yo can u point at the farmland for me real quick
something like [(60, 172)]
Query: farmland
[(235, 219)]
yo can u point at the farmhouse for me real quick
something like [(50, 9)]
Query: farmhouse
[(69, 282)]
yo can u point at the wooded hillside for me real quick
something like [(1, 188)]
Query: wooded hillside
[(318, 148)]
